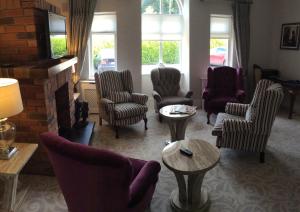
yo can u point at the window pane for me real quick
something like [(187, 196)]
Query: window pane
[(150, 52), (103, 52), (170, 7), (219, 51), (150, 6), (170, 51)]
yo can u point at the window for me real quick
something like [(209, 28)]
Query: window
[(161, 34), (221, 40), (102, 45)]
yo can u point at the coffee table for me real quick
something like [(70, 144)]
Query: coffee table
[(177, 122), (190, 197)]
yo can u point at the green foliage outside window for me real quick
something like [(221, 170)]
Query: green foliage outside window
[(170, 52), (150, 52), (58, 46), (215, 43)]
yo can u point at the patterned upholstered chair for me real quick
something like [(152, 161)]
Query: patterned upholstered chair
[(118, 105), (247, 127), (166, 88), (98, 180), (224, 84)]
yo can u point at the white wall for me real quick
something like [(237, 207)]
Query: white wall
[(287, 61)]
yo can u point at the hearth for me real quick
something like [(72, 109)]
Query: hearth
[(62, 107)]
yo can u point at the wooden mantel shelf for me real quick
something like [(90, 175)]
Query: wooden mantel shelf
[(43, 69)]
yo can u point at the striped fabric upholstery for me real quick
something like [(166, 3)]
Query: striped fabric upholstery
[(120, 96), (111, 81), (252, 130), (117, 104), (127, 110)]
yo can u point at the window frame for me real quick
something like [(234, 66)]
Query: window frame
[(229, 36), (90, 44)]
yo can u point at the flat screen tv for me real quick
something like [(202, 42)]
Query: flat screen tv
[(58, 35)]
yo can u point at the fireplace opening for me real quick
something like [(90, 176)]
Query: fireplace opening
[(63, 108)]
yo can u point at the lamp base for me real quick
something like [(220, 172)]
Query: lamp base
[(11, 151)]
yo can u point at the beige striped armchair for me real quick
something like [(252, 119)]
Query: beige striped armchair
[(118, 105), (247, 127)]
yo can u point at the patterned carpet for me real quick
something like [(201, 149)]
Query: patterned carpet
[(239, 183)]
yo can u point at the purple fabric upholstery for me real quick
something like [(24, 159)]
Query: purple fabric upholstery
[(97, 180), (224, 84)]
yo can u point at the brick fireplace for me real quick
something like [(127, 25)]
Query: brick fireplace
[(48, 99), (45, 84)]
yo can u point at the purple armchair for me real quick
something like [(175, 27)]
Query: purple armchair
[(224, 84), (97, 180)]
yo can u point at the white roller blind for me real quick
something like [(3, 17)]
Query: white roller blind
[(104, 23), (220, 26), (162, 27)]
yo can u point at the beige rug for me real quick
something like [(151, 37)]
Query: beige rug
[(239, 183)]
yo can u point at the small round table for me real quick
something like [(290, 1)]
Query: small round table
[(190, 197), (177, 122)]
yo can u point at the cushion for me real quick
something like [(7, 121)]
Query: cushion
[(118, 97), (127, 110), (217, 131), (173, 100)]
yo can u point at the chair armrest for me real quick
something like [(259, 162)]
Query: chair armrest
[(189, 94), (156, 96), (108, 104), (240, 95), (139, 98), (236, 109), (233, 126), (207, 94), (147, 176)]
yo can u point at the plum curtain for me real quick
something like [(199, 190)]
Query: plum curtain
[(81, 14)]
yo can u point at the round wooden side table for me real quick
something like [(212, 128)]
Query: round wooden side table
[(190, 197), (177, 122)]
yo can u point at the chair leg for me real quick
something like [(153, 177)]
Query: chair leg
[(117, 132), (146, 121), (208, 115), (100, 120), (262, 157), (160, 118)]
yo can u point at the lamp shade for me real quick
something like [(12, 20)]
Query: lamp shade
[(10, 98)]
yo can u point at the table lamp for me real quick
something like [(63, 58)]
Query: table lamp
[(10, 105)]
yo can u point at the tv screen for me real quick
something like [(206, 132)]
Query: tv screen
[(58, 35)]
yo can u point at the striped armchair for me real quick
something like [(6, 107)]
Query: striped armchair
[(118, 105), (247, 127)]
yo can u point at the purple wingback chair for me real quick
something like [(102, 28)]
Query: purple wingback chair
[(224, 84), (95, 180)]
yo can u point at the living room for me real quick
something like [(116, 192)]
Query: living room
[(185, 153)]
